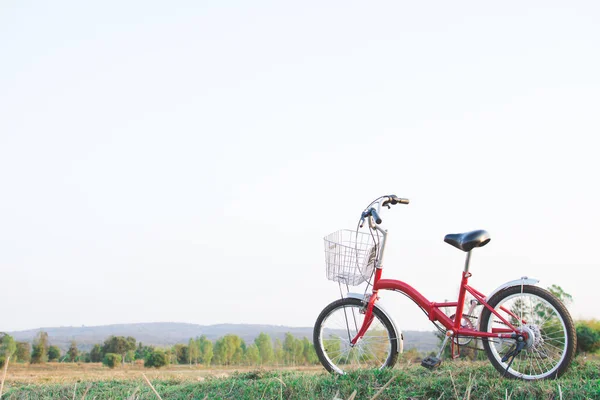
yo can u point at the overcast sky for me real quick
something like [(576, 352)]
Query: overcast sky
[(181, 161)]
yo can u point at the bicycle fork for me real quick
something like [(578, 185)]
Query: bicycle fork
[(367, 321)]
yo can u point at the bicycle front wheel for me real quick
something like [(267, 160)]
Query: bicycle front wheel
[(339, 323), (551, 339)]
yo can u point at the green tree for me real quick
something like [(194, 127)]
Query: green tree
[(23, 353), (53, 353), (119, 345), (289, 348), (563, 296), (278, 353), (39, 352), (171, 353), (219, 352), (238, 355), (142, 352), (543, 312), (206, 350), (156, 359), (233, 344), (193, 352), (243, 347), (298, 352), (252, 356), (96, 354), (111, 360), (130, 356), (333, 344), (84, 356), (8, 347), (309, 353), (72, 352), (228, 349), (265, 348), (550, 323), (181, 353)]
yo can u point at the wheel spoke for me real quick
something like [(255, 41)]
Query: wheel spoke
[(339, 324), (548, 327)]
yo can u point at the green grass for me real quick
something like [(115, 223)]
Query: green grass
[(453, 380)]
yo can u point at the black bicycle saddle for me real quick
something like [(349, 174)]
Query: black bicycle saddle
[(469, 240)]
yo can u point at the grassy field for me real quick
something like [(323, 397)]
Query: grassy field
[(454, 380)]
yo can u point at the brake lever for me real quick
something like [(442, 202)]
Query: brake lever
[(362, 218), (391, 199)]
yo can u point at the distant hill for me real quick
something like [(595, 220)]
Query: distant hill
[(170, 333)]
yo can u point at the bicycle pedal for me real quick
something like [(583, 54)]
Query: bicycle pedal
[(431, 362)]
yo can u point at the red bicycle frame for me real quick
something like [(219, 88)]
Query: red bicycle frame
[(434, 310)]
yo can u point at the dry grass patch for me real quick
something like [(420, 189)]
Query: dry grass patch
[(76, 372)]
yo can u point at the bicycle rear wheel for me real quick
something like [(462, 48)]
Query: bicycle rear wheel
[(339, 323), (551, 342)]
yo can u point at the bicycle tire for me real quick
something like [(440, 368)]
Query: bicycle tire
[(338, 323), (550, 349)]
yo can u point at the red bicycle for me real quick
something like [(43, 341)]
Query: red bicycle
[(526, 331)]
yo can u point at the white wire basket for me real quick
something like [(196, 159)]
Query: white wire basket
[(349, 256)]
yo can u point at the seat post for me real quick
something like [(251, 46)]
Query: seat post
[(468, 261)]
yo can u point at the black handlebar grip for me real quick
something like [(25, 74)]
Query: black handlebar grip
[(375, 216)]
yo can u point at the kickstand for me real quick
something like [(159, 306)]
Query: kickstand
[(512, 354)]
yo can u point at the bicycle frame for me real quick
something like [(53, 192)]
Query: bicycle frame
[(433, 309)]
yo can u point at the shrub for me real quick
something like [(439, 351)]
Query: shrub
[(111, 360), (53, 353), (588, 338), (156, 359)]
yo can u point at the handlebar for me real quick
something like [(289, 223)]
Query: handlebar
[(393, 199), (373, 214)]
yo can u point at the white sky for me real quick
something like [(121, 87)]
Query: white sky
[(182, 160)]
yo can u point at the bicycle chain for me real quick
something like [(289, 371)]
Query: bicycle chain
[(467, 346)]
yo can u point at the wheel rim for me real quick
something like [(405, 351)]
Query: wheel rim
[(339, 327), (546, 347)]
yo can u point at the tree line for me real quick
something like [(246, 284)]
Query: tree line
[(228, 350)]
